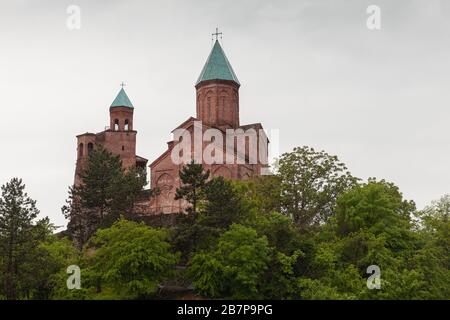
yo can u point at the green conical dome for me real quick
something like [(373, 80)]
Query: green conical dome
[(122, 100), (217, 67)]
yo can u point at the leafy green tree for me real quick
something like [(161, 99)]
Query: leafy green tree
[(193, 179), (290, 255), (378, 207), (263, 193), (373, 226), (435, 217), (52, 258), (129, 259), (19, 236), (315, 289), (311, 181), (433, 257), (234, 269), (279, 281), (279, 230)]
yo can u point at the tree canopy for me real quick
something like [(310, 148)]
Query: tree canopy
[(310, 231)]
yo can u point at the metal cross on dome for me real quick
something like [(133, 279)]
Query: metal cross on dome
[(217, 33), (122, 84)]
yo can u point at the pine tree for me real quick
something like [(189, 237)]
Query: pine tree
[(107, 191), (223, 204), (101, 181), (193, 180), (17, 232)]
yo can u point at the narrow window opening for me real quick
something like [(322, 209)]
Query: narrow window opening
[(209, 108), (116, 125), (90, 147), (80, 150)]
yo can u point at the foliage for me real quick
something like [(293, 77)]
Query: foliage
[(309, 232), (433, 257), (372, 226), (234, 269), (378, 207), (106, 192), (53, 258), (19, 236), (193, 179), (262, 192), (221, 206), (311, 181), (130, 259)]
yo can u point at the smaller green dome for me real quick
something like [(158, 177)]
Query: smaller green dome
[(122, 100)]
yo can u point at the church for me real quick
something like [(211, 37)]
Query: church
[(215, 138)]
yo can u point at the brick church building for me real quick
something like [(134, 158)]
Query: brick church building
[(237, 151)]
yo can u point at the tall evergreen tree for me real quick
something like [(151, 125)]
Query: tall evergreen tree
[(193, 179), (187, 231), (223, 204), (101, 181), (107, 191), (17, 233)]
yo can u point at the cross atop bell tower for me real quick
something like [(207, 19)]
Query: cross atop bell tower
[(216, 34)]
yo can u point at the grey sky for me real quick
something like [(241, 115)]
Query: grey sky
[(377, 99)]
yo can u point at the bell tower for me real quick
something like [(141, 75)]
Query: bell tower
[(217, 90), (119, 138), (121, 113)]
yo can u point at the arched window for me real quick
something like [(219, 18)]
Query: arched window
[(127, 127), (80, 150), (208, 103), (90, 147), (116, 125), (222, 108)]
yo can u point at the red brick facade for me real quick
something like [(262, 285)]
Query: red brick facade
[(218, 103), (217, 108)]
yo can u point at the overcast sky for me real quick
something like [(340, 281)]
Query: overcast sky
[(379, 100)]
